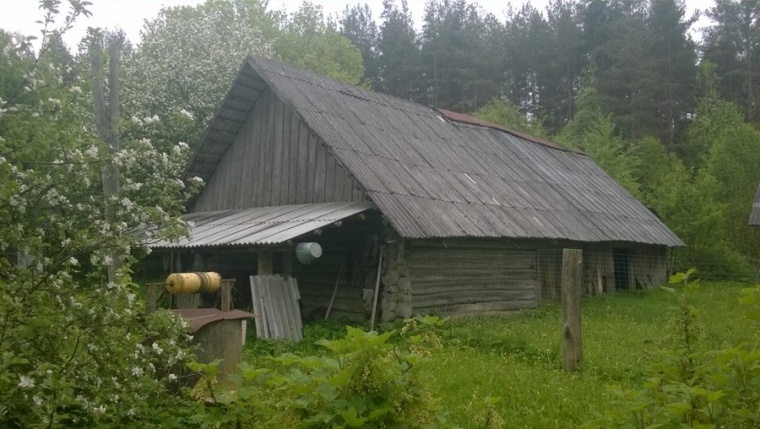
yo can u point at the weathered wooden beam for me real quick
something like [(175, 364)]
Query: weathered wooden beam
[(572, 344), (287, 264), (226, 293), (265, 263), (151, 295)]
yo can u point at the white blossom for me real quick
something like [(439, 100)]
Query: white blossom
[(25, 382)]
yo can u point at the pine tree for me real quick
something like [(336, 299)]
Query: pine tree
[(526, 39), (560, 73), (674, 59), (459, 69), (733, 43), (398, 54), (358, 26)]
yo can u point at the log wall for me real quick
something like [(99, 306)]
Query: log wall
[(396, 295), (456, 281), (276, 160)]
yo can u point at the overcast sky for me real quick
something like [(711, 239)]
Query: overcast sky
[(20, 15)]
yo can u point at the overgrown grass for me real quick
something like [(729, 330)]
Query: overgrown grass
[(517, 358)]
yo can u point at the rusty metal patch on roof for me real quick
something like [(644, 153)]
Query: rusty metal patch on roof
[(472, 120), (260, 225)]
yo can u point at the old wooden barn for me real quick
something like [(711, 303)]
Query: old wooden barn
[(469, 217)]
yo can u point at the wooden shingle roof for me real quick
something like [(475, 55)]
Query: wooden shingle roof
[(439, 174)]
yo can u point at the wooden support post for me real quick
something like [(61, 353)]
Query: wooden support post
[(572, 345), (226, 295), (287, 264), (377, 287), (265, 263), (151, 295)]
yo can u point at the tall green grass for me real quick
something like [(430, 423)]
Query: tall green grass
[(517, 358)]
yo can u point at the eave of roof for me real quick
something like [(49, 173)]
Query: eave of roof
[(260, 225)]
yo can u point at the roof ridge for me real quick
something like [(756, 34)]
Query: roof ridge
[(448, 114)]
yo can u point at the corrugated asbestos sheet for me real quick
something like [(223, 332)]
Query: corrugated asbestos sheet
[(754, 215), (261, 225), (441, 174)]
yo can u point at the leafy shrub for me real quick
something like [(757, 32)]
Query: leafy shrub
[(361, 380), (692, 387)]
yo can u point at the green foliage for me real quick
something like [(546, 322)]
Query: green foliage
[(689, 386), (189, 55), (307, 42), (75, 349), (593, 132), (501, 112), (359, 380)]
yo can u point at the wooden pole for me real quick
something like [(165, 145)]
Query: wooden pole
[(287, 264), (106, 121), (226, 293), (377, 287), (265, 263), (151, 297), (572, 345), (335, 291)]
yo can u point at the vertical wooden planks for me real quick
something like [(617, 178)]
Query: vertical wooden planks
[(260, 136), (303, 165), (293, 142), (273, 164), (330, 167), (276, 160), (275, 302), (311, 168)]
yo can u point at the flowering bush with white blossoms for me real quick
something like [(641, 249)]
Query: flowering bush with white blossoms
[(76, 350), (189, 55)]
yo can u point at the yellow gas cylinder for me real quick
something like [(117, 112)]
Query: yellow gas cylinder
[(193, 282)]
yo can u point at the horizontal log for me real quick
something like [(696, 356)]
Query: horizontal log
[(417, 290), (472, 277), (479, 308), (450, 299), (342, 293), (319, 313)]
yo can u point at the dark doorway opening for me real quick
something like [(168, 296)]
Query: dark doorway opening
[(622, 264)]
